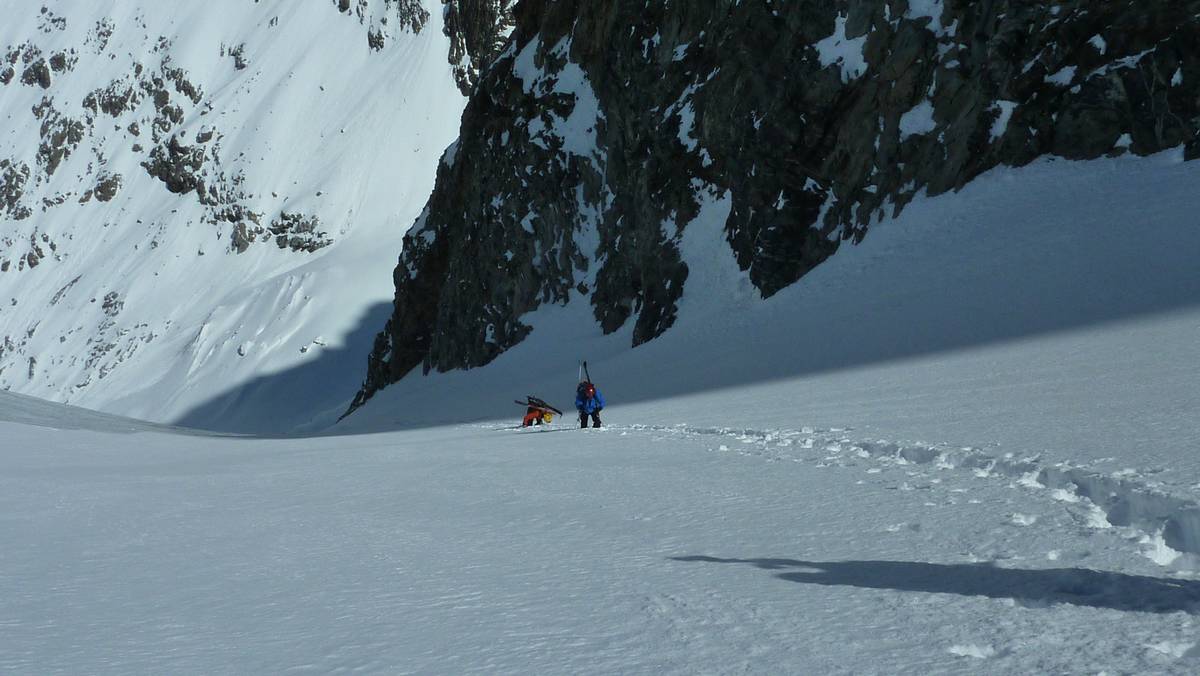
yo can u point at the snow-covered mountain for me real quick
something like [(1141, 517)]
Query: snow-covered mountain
[(607, 130), (195, 195), (967, 445)]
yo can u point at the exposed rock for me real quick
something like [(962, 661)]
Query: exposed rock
[(477, 30), (177, 165), (61, 62), (59, 137), (114, 100), (49, 22), (298, 232), (238, 54), (100, 35), (382, 17), (107, 186), (13, 177), (37, 73), (615, 121), (50, 202)]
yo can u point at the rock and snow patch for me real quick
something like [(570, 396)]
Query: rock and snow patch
[(1063, 76), (846, 52), (928, 8), (919, 120), (576, 133), (1004, 111), (178, 173)]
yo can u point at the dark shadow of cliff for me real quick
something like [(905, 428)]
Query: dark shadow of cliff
[(299, 401), (1035, 588)]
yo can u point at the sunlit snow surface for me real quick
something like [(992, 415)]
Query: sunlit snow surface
[(966, 445)]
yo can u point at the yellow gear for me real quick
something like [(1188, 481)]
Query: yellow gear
[(547, 416)]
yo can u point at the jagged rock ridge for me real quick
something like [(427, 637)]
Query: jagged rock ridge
[(595, 134)]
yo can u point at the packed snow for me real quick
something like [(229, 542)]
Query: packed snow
[(966, 445)]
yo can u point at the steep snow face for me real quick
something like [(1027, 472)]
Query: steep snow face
[(195, 194)]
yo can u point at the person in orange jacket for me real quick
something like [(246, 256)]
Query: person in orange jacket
[(537, 411)]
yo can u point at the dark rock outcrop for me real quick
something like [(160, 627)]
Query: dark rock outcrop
[(477, 30), (383, 17), (60, 136), (37, 73), (600, 131), (107, 187)]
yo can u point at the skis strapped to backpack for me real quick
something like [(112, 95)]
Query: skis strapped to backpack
[(534, 402)]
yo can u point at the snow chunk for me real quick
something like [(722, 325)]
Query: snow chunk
[(971, 650), (917, 121), (1155, 548), (451, 155), (524, 67), (1063, 77), (1000, 126), (687, 120), (1098, 42), (527, 223), (1018, 519), (1176, 649), (927, 8), (837, 48)]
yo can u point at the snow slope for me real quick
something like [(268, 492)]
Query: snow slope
[(630, 549), (1053, 309), (141, 305)]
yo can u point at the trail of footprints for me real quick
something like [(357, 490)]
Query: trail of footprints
[(1166, 524)]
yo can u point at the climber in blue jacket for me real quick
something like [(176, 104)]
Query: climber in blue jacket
[(590, 402)]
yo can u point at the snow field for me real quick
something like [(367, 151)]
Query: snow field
[(488, 549)]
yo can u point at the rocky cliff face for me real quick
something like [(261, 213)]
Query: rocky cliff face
[(477, 30), (592, 140)]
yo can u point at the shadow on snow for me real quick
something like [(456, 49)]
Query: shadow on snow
[(1072, 586), (302, 399)]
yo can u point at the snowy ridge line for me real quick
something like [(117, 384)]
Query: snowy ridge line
[(1123, 501)]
